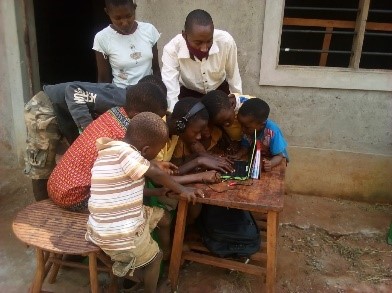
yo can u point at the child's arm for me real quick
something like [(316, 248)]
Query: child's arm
[(220, 164), (198, 148), (275, 161), (167, 167), (155, 191), (202, 177), (162, 178)]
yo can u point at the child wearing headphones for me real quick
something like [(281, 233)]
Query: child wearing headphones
[(188, 120)]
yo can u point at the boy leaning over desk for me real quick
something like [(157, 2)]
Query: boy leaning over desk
[(253, 117), (119, 223)]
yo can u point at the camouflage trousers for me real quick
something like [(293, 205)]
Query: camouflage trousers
[(43, 137)]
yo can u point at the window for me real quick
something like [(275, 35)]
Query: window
[(328, 44)]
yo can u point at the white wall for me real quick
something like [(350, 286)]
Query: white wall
[(13, 86)]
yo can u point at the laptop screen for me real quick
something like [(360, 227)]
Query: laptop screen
[(243, 169)]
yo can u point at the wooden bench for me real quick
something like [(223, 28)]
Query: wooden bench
[(55, 233)]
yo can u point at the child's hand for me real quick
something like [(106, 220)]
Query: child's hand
[(267, 165), (220, 158), (216, 163), (210, 177), (190, 193), (167, 167), (164, 191)]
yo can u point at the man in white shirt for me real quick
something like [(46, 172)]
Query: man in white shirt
[(199, 60)]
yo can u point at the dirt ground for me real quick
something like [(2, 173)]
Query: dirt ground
[(324, 245)]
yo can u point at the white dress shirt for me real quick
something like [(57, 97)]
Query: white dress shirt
[(201, 76)]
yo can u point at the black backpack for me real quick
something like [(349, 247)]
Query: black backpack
[(228, 232)]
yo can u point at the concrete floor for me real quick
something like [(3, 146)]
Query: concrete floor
[(324, 245)]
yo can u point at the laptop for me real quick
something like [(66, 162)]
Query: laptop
[(244, 170)]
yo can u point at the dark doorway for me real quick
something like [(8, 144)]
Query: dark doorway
[(65, 31)]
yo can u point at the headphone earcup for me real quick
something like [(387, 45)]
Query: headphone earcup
[(181, 125)]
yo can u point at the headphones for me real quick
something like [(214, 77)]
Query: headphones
[(182, 122)]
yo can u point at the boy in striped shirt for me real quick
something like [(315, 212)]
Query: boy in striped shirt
[(119, 223)]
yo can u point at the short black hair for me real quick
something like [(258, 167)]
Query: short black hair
[(116, 3), (155, 80), (184, 105), (216, 101), (197, 16), (145, 97), (146, 128), (256, 108)]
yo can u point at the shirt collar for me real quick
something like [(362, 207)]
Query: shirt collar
[(183, 52)]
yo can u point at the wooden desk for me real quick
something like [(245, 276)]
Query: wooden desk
[(263, 196)]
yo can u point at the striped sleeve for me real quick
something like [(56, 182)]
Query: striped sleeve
[(133, 163)]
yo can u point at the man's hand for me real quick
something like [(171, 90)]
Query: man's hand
[(190, 193), (209, 177), (167, 167)]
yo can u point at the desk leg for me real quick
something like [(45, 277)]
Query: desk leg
[(40, 271), (175, 260), (272, 233), (92, 264)]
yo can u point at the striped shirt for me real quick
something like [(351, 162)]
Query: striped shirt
[(116, 202)]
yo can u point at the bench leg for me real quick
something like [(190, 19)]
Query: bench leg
[(55, 269), (272, 232), (113, 287), (48, 264), (175, 260), (39, 272), (92, 264)]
